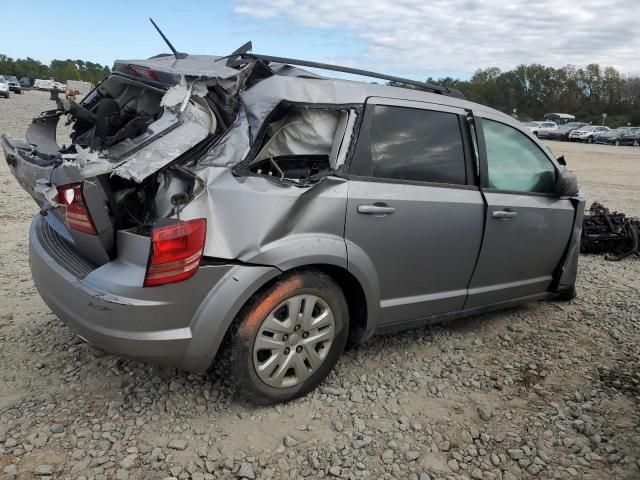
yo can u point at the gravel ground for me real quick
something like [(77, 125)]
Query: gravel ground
[(547, 390)]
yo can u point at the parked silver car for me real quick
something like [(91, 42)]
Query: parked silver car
[(586, 133), (246, 202), (537, 127)]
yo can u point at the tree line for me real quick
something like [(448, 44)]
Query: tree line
[(60, 70), (533, 90)]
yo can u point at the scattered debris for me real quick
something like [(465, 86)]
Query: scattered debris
[(609, 232)]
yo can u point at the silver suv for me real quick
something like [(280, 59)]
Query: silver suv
[(244, 201)]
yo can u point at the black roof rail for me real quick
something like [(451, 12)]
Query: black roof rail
[(451, 92)]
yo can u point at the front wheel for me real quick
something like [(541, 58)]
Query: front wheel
[(617, 143), (589, 139), (290, 337)]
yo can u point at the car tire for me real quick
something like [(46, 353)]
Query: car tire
[(589, 139), (270, 330), (635, 143), (617, 143)]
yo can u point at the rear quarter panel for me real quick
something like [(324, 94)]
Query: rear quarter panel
[(256, 220)]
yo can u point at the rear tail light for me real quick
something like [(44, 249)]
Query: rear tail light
[(78, 217), (176, 250), (144, 72)]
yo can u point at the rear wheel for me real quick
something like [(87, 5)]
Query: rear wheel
[(589, 139), (290, 337), (617, 143)]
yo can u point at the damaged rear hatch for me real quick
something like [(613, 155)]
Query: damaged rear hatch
[(146, 116)]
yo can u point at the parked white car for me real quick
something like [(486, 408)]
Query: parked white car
[(535, 127), (43, 84), (586, 133), (79, 86), (4, 87)]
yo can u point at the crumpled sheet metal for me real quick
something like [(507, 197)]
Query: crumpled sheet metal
[(243, 225), (192, 65), (194, 128), (304, 132), (232, 147), (90, 163), (265, 95)]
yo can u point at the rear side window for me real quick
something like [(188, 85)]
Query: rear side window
[(515, 162), (411, 144)]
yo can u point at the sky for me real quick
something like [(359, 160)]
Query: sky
[(410, 38)]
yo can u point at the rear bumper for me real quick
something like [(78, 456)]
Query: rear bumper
[(179, 324)]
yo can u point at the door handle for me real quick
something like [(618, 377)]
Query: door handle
[(376, 209), (504, 214)]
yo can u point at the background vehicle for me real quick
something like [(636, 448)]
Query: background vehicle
[(25, 82), (562, 132), (43, 84), (14, 85), (260, 206), (586, 133), (609, 136), (4, 87), (536, 127), (630, 136), (559, 118), (79, 86)]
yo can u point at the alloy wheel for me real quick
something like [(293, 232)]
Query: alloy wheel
[(293, 341)]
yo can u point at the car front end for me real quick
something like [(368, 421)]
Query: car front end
[(580, 135), (14, 84), (4, 88)]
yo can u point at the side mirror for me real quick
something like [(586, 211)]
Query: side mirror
[(566, 184), (561, 160)]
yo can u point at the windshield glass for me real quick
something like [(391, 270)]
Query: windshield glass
[(10, 78), (2, 80)]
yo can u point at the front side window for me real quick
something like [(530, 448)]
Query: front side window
[(412, 144), (515, 162)]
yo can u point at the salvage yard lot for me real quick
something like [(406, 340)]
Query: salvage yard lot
[(548, 390)]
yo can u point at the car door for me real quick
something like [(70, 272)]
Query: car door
[(414, 214), (527, 227)]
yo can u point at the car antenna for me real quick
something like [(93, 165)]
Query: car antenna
[(176, 54)]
